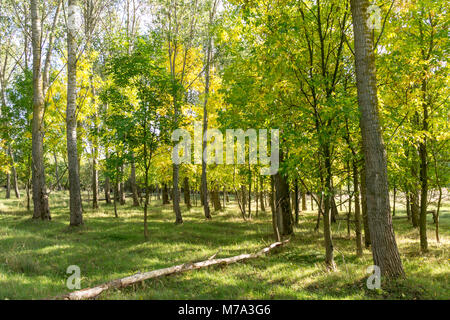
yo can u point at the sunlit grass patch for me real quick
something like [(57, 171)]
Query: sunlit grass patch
[(34, 256)]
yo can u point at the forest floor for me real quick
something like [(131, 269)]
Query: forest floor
[(34, 255)]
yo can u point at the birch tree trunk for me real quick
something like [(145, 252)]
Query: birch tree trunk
[(76, 212), (40, 197)]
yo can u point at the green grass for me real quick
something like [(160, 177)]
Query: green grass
[(34, 256)]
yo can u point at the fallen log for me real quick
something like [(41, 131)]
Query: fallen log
[(93, 292)]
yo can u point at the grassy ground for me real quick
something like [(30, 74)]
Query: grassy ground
[(34, 256)]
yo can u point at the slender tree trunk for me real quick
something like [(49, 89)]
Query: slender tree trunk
[(438, 182), (95, 178), (367, 242), (349, 211), (359, 250), (423, 176), (94, 143), (329, 248), (58, 185), (437, 214), (224, 197), (165, 194), (40, 196), (256, 198), (116, 192), (408, 205), (296, 204), (384, 247), (8, 186), (394, 200), (176, 195), (147, 195), (271, 195), (122, 187), (261, 195), (276, 230), (134, 188), (76, 211), (304, 200), (28, 186), (415, 207), (15, 182), (187, 193), (244, 198), (249, 192), (107, 190)]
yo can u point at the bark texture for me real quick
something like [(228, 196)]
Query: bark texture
[(40, 196), (76, 211), (384, 247)]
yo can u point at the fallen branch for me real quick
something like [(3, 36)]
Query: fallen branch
[(90, 293)]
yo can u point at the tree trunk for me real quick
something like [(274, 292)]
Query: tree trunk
[(8, 186), (384, 247), (271, 195), (423, 175), (296, 204), (176, 194), (107, 190), (276, 230), (244, 199), (58, 185), (328, 201), (14, 173), (91, 293), (40, 196), (436, 221), (282, 205), (147, 194), (334, 210), (122, 187), (249, 191), (215, 199), (261, 195), (28, 194), (187, 193), (415, 208), (349, 211), (116, 193), (165, 194), (134, 188), (414, 195), (224, 197), (359, 250), (393, 201), (76, 213), (304, 200), (95, 178), (408, 206)]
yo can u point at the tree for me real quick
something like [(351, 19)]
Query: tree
[(139, 98), (384, 247), (40, 85)]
